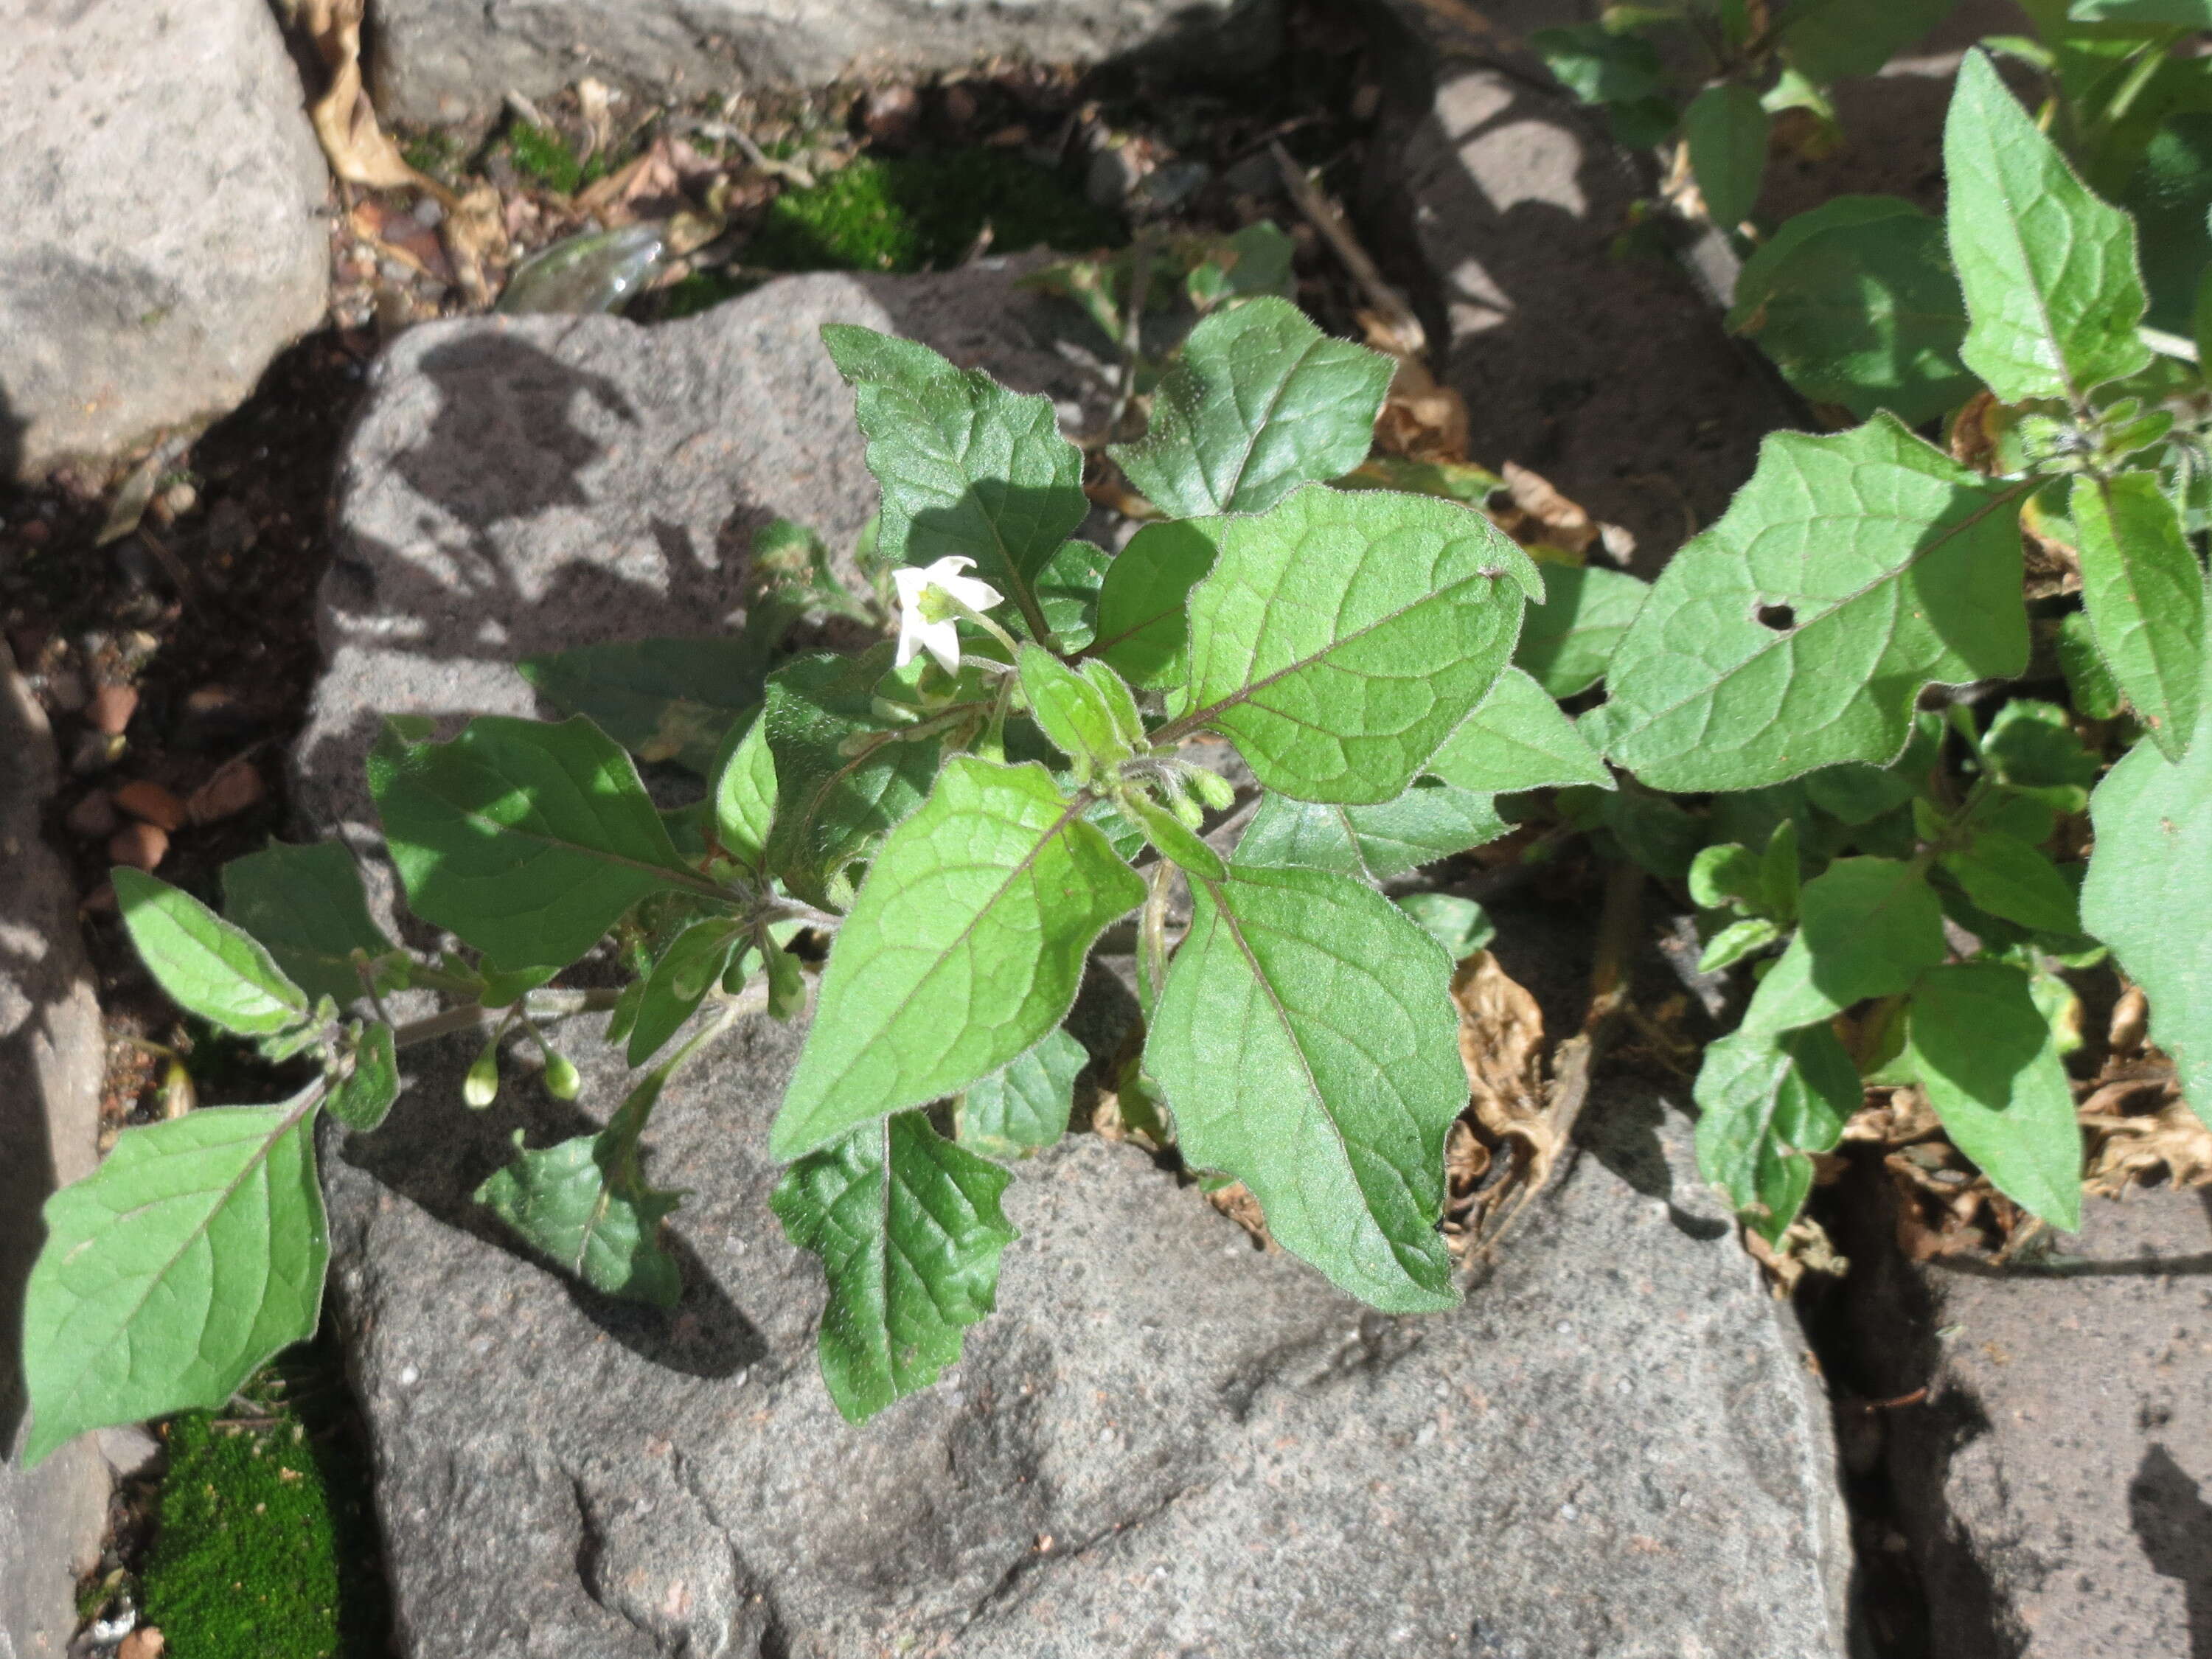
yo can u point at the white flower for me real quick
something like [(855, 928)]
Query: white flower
[(932, 628)]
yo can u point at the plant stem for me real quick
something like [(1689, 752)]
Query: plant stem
[(538, 1004)]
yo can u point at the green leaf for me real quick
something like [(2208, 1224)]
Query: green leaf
[(663, 700), (2049, 271), (962, 949), (1766, 1101), (1736, 941), (174, 1270), (2032, 744), (1725, 128), (744, 793), (207, 966), (2144, 594), (909, 1229), (1253, 261), (361, 1102), (586, 1203), (1342, 636), (1983, 1052), (679, 981), (1067, 592), (1517, 739), (1597, 64), (967, 467), (1142, 631), (1307, 1041), (1725, 875), (1025, 1105), (2146, 897), (306, 907), (1430, 821), (1076, 714), (1844, 40), (528, 839), (1460, 925), (844, 773), (2008, 878), (1171, 838), (1850, 573), (1259, 403), (1867, 928), (2089, 683), (1856, 303), (1567, 641), (2185, 14)]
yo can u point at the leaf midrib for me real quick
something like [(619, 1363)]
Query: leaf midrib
[(1072, 811), (1198, 718), (310, 1099)]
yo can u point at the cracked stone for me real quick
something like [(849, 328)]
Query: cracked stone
[(1165, 1440)]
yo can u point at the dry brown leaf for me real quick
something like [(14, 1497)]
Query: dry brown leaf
[(397, 235), (2130, 1024), (2133, 1150), (1422, 419), (475, 232), (1566, 525), (1892, 1117), (147, 1642), (641, 189), (359, 150), (1236, 1201), (1805, 1249), (596, 101), (1501, 1043)]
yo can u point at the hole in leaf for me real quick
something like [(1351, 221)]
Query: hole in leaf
[(1779, 617)]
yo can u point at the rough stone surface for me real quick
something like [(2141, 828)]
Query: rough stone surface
[(163, 199), (1611, 377), (437, 61), (1165, 1442), (2057, 1484), (49, 1068)]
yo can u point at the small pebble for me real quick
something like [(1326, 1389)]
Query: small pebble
[(234, 787), (141, 846), (151, 802), (96, 751), (111, 709), (93, 817)]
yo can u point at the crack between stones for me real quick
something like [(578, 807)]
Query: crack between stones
[(1037, 1563)]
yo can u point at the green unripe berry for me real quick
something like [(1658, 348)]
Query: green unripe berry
[(561, 1079), (481, 1087)]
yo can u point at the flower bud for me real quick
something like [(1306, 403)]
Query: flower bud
[(1212, 788)]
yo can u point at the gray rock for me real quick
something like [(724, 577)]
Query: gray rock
[(437, 61), (2058, 1485), (1164, 1441), (50, 1517), (1609, 376), (164, 201)]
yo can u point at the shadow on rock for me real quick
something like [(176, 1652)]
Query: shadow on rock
[(435, 1153), (2174, 1524)]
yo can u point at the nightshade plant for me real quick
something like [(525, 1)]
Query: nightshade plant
[(964, 811)]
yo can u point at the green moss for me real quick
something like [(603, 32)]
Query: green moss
[(920, 212), (545, 156), (264, 1546), (436, 152)]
